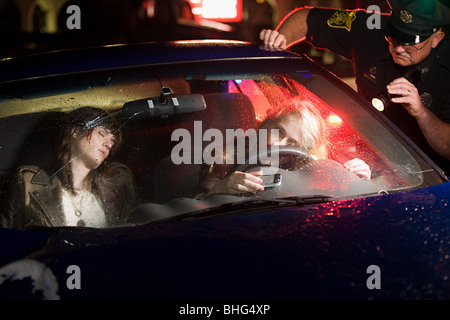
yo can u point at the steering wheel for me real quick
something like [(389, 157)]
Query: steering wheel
[(300, 155)]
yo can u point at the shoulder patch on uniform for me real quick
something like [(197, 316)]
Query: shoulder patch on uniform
[(342, 19)]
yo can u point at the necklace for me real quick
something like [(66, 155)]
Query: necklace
[(78, 212), (77, 207), (83, 209), (80, 222)]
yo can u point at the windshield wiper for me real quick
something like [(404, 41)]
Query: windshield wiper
[(187, 208), (255, 204), (314, 199)]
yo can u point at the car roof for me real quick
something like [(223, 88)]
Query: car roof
[(116, 56)]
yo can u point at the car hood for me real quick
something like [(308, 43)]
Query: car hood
[(317, 251)]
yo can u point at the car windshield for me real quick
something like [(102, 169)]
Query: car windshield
[(178, 120)]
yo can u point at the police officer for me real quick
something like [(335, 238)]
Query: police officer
[(404, 53)]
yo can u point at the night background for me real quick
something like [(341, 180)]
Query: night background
[(34, 26), (415, 223)]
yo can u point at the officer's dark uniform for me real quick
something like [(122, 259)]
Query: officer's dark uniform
[(347, 33)]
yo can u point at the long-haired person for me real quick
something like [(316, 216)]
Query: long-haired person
[(84, 189), (299, 125)]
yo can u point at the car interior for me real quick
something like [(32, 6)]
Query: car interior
[(28, 138)]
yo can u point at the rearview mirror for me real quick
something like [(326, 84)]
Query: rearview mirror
[(164, 106)]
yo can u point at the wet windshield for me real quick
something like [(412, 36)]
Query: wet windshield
[(178, 130)]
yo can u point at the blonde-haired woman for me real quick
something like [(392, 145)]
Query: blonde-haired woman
[(298, 125)]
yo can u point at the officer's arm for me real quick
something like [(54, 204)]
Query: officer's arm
[(436, 131), (294, 26), (292, 29)]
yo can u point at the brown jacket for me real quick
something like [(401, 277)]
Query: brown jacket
[(35, 200)]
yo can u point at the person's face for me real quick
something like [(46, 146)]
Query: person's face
[(93, 146), (289, 132), (410, 55)]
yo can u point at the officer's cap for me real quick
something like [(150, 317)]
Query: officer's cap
[(414, 21)]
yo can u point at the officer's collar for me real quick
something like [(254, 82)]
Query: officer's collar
[(425, 65), (441, 53), (438, 54)]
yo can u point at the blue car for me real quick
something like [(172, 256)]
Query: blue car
[(310, 226)]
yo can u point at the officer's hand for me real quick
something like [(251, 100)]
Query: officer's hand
[(273, 38), (407, 95)]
